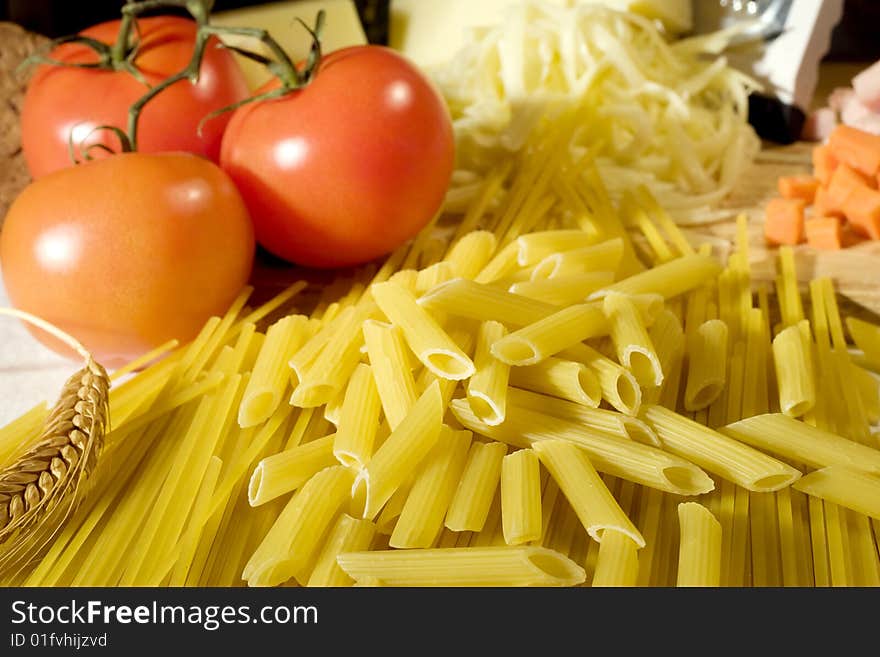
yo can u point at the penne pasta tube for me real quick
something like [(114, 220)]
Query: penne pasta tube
[(668, 279), (699, 552), (358, 419), (867, 338), (563, 290), (582, 486), (534, 247), (421, 519), (803, 443), (605, 256), (293, 542), (547, 337), (464, 298), (501, 264), (635, 351), (288, 470), (668, 337), (617, 563), (487, 388), (844, 486), (391, 369), (521, 565), (426, 339), (869, 390), (707, 365), (476, 487), (406, 278), (793, 359), (719, 454), (401, 452), (623, 458), (306, 355), (471, 253), (521, 497), (433, 275), (348, 535), (619, 386), (561, 378)]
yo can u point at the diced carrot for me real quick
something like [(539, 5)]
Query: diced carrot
[(844, 181), (822, 206), (824, 163), (862, 209), (784, 221), (824, 233), (857, 148), (798, 187)]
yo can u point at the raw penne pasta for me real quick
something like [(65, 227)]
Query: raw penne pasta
[(617, 456), (793, 359), (306, 355), (561, 378), (358, 419), (391, 369), (288, 470), (476, 487), (421, 519), (668, 279), (534, 247), (425, 337), (433, 275), (563, 290), (588, 495), (402, 451), (521, 497), (867, 338), (547, 337), (348, 535), (464, 298), (802, 442), (845, 486), (719, 454), (869, 390), (521, 565), (699, 552), (293, 542), (605, 256), (668, 338), (634, 347), (487, 388), (471, 253), (617, 563), (271, 372), (707, 365), (501, 264), (619, 386)]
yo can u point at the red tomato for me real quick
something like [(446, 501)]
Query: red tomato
[(125, 253), (63, 99), (349, 167)]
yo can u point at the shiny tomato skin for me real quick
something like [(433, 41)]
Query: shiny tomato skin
[(59, 98), (348, 168), (125, 253)]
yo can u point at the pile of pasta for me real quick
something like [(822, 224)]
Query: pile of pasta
[(549, 390)]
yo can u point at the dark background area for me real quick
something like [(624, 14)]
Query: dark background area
[(854, 39)]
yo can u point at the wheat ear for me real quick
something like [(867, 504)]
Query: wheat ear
[(41, 488)]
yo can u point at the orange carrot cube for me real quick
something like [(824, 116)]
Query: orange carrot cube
[(802, 186), (862, 209), (824, 233), (784, 221), (857, 148), (824, 164), (822, 206), (843, 182)]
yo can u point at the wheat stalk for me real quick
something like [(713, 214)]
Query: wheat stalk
[(40, 489)]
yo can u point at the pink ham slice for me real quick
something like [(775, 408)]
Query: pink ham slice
[(867, 87)]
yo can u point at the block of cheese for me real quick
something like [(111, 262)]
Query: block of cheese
[(342, 28), (429, 32)]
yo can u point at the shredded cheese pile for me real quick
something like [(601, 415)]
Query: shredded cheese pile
[(670, 116)]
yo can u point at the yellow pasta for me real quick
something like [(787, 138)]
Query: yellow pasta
[(391, 369), (605, 256), (348, 535), (421, 519), (547, 337), (358, 419), (867, 338), (719, 454), (471, 253), (793, 359), (561, 378), (699, 553), (803, 443), (707, 365), (501, 264), (617, 563), (425, 337), (433, 275), (402, 451), (635, 350), (471, 566), (619, 386), (844, 486), (534, 247), (306, 355), (521, 497), (288, 470), (869, 390), (487, 388), (464, 298), (476, 487), (563, 290), (669, 279), (588, 495), (18, 433)]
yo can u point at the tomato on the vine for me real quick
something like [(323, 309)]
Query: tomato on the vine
[(347, 168), (127, 252), (64, 99)]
